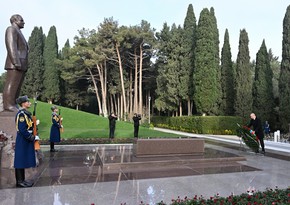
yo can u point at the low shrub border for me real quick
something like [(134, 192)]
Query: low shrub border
[(200, 124), (268, 197)]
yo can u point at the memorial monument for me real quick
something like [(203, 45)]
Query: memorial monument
[(16, 62), (16, 67)]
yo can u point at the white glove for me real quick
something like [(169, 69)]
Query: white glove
[(61, 119), (37, 137), (37, 122), (61, 126)]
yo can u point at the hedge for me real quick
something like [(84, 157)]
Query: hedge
[(200, 124)]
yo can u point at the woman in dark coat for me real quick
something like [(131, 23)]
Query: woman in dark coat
[(24, 145), (55, 128)]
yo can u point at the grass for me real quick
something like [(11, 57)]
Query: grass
[(79, 124)]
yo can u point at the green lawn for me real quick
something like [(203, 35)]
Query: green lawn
[(79, 124)]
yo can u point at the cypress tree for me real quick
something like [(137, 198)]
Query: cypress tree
[(216, 66), (243, 80), (33, 82), (284, 80), (63, 55), (176, 88), (51, 72), (189, 37), (227, 77), (275, 67), (263, 98), (206, 70)]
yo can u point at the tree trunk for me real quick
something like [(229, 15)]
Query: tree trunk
[(96, 90), (180, 108), (131, 91), (122, 81), (189, 107), (103, 80), (136, 110), (140, 79)]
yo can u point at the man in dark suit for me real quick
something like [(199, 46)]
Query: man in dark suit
[(112, 125), (16, 62), (136, 119), (257, 129)]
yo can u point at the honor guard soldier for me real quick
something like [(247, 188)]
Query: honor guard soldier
[(24, 145), (55, 128)]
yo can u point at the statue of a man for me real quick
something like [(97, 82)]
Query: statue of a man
[(16, 62)]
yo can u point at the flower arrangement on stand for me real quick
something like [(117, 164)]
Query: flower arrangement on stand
[(248, 137)]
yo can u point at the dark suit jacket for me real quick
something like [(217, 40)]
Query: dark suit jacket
[(17, 49), (257, 127)]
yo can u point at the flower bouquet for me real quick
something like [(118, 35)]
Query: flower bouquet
[(248, 137)]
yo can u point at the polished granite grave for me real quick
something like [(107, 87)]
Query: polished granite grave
[(103, 163), (73, 176)]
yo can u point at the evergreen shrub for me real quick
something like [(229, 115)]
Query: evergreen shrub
[(224, 125)]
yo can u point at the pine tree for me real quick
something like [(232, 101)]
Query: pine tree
[(172, 69), (263, 98), (74, 83), (163, 53), (33, 82), (244, 79), (227, 77), (206, 68), (51, 72), (284, 80)]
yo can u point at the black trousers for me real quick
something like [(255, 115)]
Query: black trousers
[(51, 145), (19, 175), (262, 143), (136, 130), (112, 132)]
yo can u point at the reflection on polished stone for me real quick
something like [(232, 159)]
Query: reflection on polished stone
[(117, 163)]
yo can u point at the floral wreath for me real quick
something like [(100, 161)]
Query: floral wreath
[(248, 137)]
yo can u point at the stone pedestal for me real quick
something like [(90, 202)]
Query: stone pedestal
[(7, 122), (168, 146), (7, 151), (1, 102), (7, 126)]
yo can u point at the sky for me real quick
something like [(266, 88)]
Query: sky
[(263, 20)]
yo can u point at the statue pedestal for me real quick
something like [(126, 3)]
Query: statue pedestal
[(1, 102), (7, 128), (6, 151), (7, 122)]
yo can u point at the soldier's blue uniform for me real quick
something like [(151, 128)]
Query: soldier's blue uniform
[(24, 146), (55, 128)]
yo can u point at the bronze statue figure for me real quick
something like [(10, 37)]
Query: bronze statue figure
[(16, 62)]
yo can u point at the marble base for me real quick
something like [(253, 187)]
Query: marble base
[(7, 122), (7, 126), (1, 102), (168, 146)]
